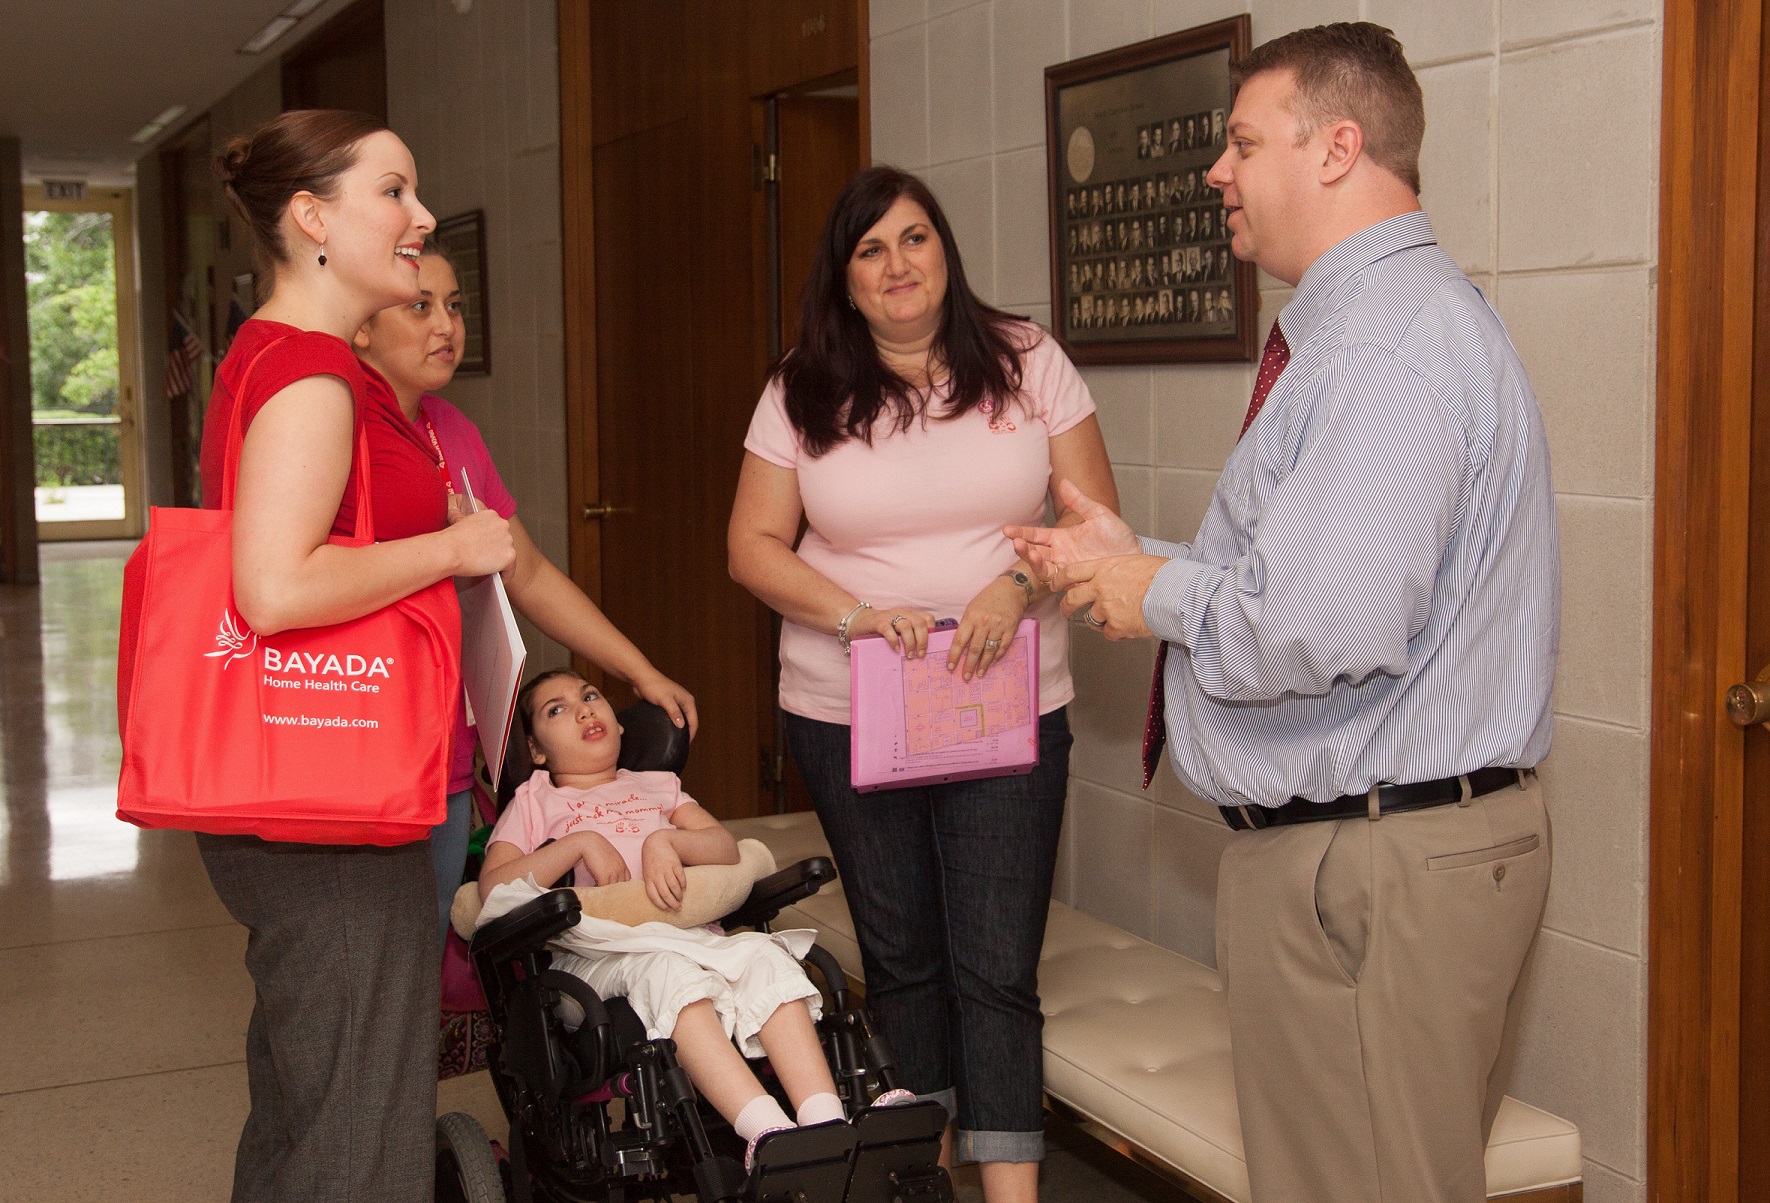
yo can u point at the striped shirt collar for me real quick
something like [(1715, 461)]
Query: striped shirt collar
[(1402, 232)]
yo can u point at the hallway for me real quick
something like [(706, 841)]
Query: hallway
[(121, 979), (120, 974)]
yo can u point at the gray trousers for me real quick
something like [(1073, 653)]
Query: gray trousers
[(1371, 972), (341, 1048)]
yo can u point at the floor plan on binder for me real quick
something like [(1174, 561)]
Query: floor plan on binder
[(943, 710)]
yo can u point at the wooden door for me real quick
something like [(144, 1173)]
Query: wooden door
[(1708, 1122), (817, 149), (662, 374), (1754, 810), (648, 437)]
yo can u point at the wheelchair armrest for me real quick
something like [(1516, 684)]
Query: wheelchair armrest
[(781, 889), (528, 927)]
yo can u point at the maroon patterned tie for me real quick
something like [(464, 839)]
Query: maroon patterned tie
[(1155, 727)]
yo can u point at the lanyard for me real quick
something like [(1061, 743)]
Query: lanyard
[(442, 461)]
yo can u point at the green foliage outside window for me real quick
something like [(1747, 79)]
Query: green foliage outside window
[(71, 288), (77, 455)]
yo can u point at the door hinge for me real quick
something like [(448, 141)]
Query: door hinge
[(764, 169)]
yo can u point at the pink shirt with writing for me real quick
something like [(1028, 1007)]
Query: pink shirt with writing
[(623, 812), (916, 518)]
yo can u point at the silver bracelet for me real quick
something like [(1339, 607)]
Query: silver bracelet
[(842, 627)]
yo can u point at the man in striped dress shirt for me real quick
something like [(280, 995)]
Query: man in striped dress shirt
[(1359, 648)]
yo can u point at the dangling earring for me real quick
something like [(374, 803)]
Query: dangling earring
[(851, 303), (322, 254)]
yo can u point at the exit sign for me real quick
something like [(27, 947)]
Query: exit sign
[(64, 190)]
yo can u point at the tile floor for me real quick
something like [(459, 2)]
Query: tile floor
[(120, 974)]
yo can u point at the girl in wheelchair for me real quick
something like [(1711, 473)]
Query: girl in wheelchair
[(700, 988)]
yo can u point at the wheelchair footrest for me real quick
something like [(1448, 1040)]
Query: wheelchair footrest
[(897, 1155), (804, 1164), (887, 1155)]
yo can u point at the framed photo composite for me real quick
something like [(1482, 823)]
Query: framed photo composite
[(463, 240), (1141, 270)]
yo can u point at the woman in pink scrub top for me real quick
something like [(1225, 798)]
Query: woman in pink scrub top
[(910, 424), (416, 347)]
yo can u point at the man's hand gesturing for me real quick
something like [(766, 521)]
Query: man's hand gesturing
[(1099, 534)]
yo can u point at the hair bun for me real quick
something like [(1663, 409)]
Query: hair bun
[(230, 160)]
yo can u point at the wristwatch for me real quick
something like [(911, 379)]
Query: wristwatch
[(1024, 581)]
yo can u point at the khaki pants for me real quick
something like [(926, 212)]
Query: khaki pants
[(1370, 971)]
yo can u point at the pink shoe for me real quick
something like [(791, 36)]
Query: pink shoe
[(750, 1152), (894, 1098)]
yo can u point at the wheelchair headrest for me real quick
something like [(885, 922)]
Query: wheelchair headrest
[(650, 742)]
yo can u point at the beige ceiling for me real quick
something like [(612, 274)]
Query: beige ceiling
[(78, 77)]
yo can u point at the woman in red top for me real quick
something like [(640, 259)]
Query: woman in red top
[(341, 1050)]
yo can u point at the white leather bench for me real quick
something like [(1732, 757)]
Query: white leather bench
[(1137, 1044)]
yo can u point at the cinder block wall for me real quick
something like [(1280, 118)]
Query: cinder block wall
[(1541, 176), (476, 97)]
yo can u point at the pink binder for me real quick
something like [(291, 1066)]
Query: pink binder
[(914, 723)]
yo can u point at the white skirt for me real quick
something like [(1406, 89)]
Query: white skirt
[(660, 969)]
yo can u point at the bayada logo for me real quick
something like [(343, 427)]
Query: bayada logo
[(234, 640)]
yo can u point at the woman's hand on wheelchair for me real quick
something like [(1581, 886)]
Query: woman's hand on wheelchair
[(665, 879), (604, 863), (676, 701)]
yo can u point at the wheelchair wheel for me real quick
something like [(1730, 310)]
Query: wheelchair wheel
[(466, 1168)]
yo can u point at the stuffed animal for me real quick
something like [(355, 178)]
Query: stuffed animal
[(713, 892)]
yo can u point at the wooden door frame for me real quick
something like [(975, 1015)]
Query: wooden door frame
[(1708, 224)]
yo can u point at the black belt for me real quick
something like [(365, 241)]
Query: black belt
[(1390, 799)]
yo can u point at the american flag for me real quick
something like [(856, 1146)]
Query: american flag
[(181, 355)]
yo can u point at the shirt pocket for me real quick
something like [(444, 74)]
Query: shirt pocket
[(1482, 856)]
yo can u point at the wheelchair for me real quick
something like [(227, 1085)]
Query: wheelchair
[(601, 1114)]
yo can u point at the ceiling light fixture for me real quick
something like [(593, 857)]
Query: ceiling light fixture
[(275, 28), (151, 130), (279, 25)]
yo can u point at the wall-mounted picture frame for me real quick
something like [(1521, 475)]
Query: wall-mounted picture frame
[(463, 240), (1141, 269)]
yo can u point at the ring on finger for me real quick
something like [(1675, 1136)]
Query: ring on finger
[(1088, 617), (895, 619), (992, 643)]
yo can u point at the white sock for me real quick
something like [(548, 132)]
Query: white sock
[(758, 1116), (820, 1109)]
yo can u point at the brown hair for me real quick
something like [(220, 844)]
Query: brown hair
[(835, 383), (303, 150), (433, 247), (1350, 71)]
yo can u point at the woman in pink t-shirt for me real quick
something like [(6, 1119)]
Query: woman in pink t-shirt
[(416, 347), (910, 424)]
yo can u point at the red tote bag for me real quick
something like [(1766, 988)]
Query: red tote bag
[(325, 735)]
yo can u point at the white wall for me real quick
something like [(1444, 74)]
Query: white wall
[(1541, 176), (476, 97)]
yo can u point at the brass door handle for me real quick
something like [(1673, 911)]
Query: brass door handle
[(604, 510), (1749, 701)]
